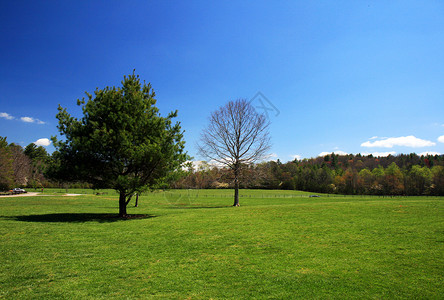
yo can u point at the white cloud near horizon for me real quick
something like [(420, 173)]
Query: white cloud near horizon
[(6, 116), (43, 142), (296, 156), (31, 120), (339, 152), (379, 154), (441, 139), (429, 153), (406, 141)]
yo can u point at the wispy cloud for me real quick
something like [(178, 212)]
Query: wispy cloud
[(441, 139), (6, 116), (406, 141), (271, 157), (43, 142), (31, 120)]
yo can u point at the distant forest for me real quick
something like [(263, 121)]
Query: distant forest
[(404, 174), (23, 167)]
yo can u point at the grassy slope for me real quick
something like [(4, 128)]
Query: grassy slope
[(198, 246)]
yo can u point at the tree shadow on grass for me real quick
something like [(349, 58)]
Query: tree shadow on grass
[(195, 207), (77, 218)]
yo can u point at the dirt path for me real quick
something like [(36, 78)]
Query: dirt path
[(23, 195), (36, 194)]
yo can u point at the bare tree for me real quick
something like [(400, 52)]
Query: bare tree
[(237, 135), (21, 165)]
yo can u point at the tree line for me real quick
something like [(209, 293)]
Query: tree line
[(23, 167), (404, 174)]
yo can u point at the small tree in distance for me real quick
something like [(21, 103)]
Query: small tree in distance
[(121, 142), (236, 135)]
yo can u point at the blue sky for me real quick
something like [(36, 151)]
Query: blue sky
[(342, 76)]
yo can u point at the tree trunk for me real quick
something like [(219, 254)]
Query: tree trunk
[(122, 205), (137, 200), (236, 187)]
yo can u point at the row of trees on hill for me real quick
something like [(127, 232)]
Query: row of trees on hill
[(24, 167), (347, 174), (404, 174)]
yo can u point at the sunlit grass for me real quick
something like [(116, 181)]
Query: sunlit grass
[(193, 244)]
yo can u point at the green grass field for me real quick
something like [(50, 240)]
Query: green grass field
[(194, 245)]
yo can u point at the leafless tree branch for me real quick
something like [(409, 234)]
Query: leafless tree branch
[(236, 135)]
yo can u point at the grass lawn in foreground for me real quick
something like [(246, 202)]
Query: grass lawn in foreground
[(278, 244)]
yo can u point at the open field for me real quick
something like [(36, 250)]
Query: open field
[(194, 245)]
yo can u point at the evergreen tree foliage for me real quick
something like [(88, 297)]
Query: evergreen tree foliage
[(122, 141)]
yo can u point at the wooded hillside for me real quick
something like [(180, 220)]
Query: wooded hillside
[(405, 174)]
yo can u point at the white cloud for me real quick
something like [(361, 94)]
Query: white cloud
[(296, 156), (324, 153), (429, 153), (441, 139), (6, 116), (406, 141), (379, 154), (339, 152), (23, 119), (43, 142), (31, 120), (27, 119)]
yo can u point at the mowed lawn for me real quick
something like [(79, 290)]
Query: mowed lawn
[(194, 245)]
